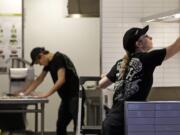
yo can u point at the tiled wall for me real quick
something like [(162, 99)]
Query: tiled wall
[(120, 15)]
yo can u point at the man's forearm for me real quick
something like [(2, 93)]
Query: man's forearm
[(104, 82), (31, 87), (55, 88)]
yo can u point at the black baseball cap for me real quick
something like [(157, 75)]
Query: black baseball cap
[(35, 53), (131, 36)]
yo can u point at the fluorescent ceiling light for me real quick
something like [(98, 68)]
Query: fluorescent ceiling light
[(177, 15), (83, 8), (81, 15), (169, 16)]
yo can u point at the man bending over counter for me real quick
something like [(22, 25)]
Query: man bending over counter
[(66, 84)]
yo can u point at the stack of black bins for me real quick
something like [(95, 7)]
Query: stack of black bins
[(12, 122)]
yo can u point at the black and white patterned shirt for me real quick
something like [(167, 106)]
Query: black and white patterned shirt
[(138, 78)]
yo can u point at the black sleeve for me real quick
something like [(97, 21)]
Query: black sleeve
[(45, 68), (58, 62), (112, 73), (154, 58)]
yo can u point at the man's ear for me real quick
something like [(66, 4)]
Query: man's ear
[(138, 44)]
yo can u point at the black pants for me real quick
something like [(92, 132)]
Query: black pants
[(68, 111), (114, 121)]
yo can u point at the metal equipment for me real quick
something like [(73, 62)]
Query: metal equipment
[(20, 74), (93, 108)]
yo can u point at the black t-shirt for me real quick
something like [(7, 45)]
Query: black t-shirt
[(71, 86), (138, 78)]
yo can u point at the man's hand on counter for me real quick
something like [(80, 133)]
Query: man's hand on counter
[(41, 95), (21, 94), (24, 95)]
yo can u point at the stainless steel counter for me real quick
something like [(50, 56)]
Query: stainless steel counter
[(152, 118), (37, 103)]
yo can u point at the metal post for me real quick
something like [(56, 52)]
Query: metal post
[(36, 119), (42, 118)]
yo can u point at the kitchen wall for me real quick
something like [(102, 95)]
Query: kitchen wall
[(46, 25)]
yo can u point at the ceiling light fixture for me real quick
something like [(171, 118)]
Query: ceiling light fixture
[(169, 16), (83, 8)]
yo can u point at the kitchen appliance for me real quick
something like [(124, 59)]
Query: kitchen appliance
[(89, 106), (20, 76)]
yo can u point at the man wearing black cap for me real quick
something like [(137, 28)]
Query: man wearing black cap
[(66, 84), (133, 75)]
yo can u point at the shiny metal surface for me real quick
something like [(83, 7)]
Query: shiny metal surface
[(21, 100), (38, 103)]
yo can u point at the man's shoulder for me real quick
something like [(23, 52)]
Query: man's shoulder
[(58, 55)]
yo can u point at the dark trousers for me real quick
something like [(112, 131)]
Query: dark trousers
[(68, 111), (114, 121)]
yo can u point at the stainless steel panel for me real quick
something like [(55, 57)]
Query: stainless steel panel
[(140, 121), (168, 133), (141, 128), (170, 113), (168, 106), (173, 128), (141, 133), (167, 121), (141, 114), (137, 106)]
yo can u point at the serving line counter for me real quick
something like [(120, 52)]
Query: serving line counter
[(37, 103), (152, 118)]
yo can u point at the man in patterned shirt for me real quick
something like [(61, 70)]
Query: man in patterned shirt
[(133, 75)]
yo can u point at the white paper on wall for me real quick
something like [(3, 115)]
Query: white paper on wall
[(10, 32)]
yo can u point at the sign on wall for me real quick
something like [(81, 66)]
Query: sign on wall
[(10, 32)]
